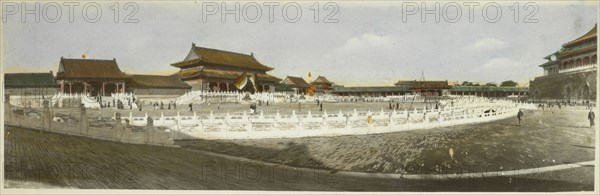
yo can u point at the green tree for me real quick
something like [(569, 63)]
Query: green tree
[(491, 84), (508, 83)]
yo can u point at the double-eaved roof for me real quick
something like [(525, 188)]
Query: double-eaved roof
[(222, 74), (158, 81), (208, 56), (590, 35), (89, 69), (29, 80)]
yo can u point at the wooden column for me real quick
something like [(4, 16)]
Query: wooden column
[(103, 83), (62, 86), (84, 87), (123, 88), (70, 88), (117, 90)]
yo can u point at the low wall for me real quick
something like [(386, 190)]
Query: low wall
[(162, 130), (326, 124), (110, 129)]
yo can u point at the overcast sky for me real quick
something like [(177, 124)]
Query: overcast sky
[(369, 45)]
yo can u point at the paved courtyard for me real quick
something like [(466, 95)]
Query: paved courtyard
[(48, 160), (548, 137)]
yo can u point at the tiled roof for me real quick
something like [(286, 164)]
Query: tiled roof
[(321, 79), (89, 69), (158, 81), (342, 89), (487, 88), (591, 35), (298, 82), (225, 58), (29, 80), (222, 74)]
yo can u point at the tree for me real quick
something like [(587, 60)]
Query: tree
[(491, 84), (508, 83)]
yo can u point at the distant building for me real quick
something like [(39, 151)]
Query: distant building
[(93, 76), (489, 91), (298, 84), (569, 73), (212, 69), (322, 85), (430, 88), (371, 91), (28, 84)]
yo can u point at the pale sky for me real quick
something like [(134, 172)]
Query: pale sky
[(370, 45)]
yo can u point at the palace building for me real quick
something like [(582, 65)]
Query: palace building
[(430, 88), (40, 84), (153, 85), (322, 85), (298, 84), (489, 91), (92, 76), (104, 77), (216, 70), (571, 72), (371, 91)]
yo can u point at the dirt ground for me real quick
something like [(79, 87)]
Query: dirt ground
[(548, 137)]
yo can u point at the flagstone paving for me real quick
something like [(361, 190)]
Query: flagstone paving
[(548, 137)]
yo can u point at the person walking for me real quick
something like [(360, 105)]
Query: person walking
[(520, 116), (190, 105), (592, 118), (321, 105)]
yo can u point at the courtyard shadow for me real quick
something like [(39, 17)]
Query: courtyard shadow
[(580, 146), (574, 126), (285, 153)]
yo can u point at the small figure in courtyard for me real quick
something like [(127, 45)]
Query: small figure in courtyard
[(190, 105), (520, 116), (252, 108), (162, 107), (321, 105), (591, 117)]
